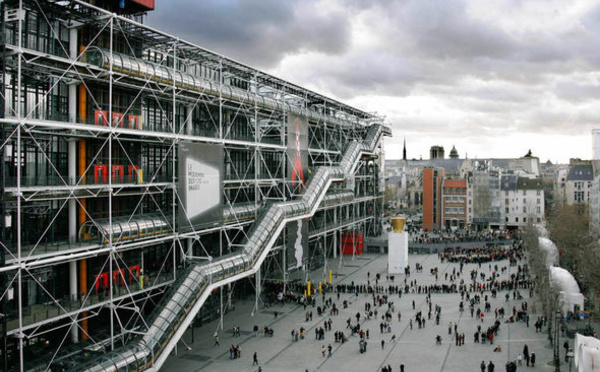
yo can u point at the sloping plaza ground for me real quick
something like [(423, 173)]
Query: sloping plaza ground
[(415, 348)]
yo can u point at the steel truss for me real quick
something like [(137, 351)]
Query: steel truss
[(94, 107)]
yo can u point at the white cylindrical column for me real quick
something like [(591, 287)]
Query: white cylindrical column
[(188, 122), (73, 293), (596, 143)]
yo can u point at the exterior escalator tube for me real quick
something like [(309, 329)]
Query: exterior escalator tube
[(174, 313)]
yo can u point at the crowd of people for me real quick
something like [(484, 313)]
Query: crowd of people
[(476, 291)]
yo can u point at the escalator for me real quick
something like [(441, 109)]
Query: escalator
[(185, 298)]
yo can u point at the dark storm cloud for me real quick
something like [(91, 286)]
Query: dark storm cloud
[(258, 33), (467, 66)]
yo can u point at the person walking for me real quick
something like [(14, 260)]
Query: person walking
[(491, 367), (526, 355), (482, 366), (217, 340), (382, 344), (255, 359), (532, 359)]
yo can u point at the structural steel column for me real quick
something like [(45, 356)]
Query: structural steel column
[(81, 219), (81, 170), (258, 291), (19, 114), (72, 153)]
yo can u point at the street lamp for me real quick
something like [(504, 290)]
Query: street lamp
[(556, 346)]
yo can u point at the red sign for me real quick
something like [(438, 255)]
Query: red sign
[(145, 3)]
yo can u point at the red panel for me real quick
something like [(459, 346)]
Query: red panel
[(119, 277), (117, 173), (149, 4), (352, 242), (100, 174), (117, 120), (133, 122), (100, 118), (101, 281)]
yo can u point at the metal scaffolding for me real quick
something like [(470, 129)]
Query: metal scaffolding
[(99, 115)]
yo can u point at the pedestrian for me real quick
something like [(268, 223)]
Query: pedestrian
[(526, 355), (401, 367), (382, 344), (532, 359), (323, 351), (217, 340), (255, 359), (329, 348), (482, 366), (491, 367)]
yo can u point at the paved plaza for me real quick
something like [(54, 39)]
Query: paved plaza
[(415, 348)]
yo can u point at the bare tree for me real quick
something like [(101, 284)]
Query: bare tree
[(568, 227), (579, 252)]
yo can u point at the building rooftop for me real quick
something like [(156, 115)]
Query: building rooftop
[(530, 184), (455, 183), (581, 172)]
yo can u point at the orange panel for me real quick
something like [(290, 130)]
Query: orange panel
[(428, 199)]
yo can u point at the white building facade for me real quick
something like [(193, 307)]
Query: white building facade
[(523, 201)]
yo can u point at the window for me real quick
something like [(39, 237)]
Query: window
[(506, 209), (524, 209), (524, 192), (516, 219), (539, 220), (538, 210), (524, 219), (506, 192), (539, 201), (506, 219), (538, 192)]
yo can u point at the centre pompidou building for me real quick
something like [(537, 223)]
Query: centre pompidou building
[(147, 182)]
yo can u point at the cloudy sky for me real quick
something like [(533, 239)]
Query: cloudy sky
[(493, 78)]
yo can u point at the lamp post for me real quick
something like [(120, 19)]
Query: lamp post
[(556, 346), (570, 356)]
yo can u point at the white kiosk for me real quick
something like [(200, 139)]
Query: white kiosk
[(397, 246)]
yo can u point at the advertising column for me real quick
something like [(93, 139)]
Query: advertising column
[(397, 246)]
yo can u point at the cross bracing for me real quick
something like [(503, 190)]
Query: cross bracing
[(95, 109)]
